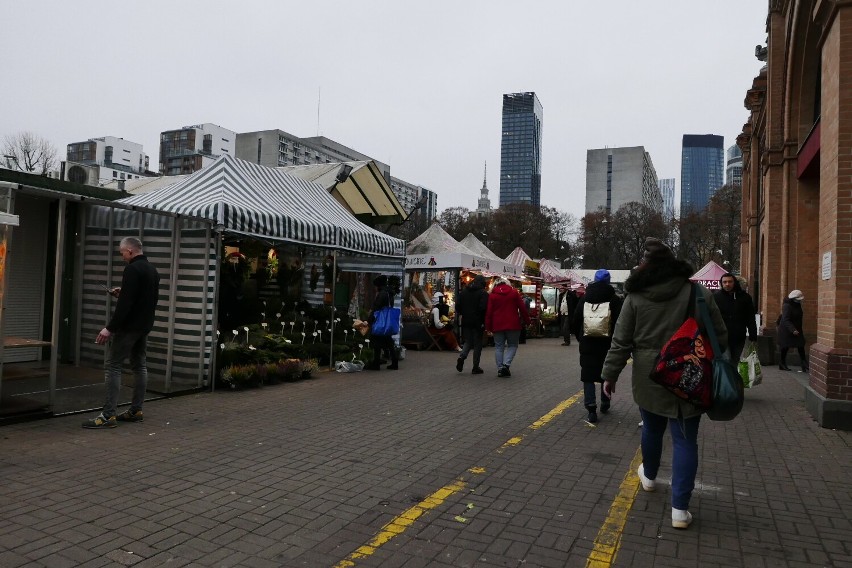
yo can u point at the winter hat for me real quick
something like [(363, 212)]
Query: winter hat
[(380, 280), (796, 295), (657, 251), (436, 297), (602, 275)]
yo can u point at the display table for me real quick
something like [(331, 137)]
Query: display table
[(12, 342)]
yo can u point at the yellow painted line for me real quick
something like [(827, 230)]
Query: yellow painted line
[(608, 540), (405, 519), (560, 408), (557, 410), (402, 522)]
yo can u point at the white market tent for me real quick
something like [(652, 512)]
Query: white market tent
[(477, 246), (435, 249), (264, 203)]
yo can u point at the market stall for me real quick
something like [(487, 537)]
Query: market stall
[(709, 275), (436, 262), (297, 226)]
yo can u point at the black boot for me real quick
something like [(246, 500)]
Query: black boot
[(782, 366)]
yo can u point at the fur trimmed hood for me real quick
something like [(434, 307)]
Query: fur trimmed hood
[(659, 280)]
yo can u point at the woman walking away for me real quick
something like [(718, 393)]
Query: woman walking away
[(594, 322), (471, 307), (790, 334), (384, 299), (505, 317), (658, 294)]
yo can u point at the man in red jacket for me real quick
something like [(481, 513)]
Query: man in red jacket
[(505, 317)]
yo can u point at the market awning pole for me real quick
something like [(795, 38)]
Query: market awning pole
[(331, 337), (56, 316)]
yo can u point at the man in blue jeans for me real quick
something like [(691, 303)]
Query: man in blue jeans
[(132, 321)]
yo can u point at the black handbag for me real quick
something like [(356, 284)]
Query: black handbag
[(728, 393)]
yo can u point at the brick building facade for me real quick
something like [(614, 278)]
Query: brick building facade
[(797, 189)]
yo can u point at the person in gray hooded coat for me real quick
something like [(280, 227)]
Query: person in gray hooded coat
[(658, 292)]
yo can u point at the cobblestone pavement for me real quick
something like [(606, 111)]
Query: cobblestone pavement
[(423, 466)]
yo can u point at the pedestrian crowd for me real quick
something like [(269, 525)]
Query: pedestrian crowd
[(664, 324), (643, 325)]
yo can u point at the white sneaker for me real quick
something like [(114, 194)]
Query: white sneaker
[(647, 484), (681, 519)]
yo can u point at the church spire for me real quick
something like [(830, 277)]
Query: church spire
[(484, 204)]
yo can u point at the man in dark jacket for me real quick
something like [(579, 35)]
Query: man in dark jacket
[(738, 311), (594, 344), (384, 299), (471, 306), (132, 321)]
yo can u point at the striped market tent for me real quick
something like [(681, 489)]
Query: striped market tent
[(265, 203)]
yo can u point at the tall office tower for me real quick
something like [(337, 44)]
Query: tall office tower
[(617, 176), (520, 150), (734, 166), (192, 148), (483, 206), (702, 166), (667, 190)]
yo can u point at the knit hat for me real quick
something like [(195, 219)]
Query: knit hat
[(436, 297), (380, 280), (796, 295), (602, 275), (657, 251)]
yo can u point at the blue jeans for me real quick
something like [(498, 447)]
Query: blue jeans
[(472, 337), (126, 345), (589, 396), (505, 346), (684, 452)]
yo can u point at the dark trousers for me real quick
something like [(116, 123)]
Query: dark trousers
[(566, 329), (802, 356), (472, 337), (381, 342)]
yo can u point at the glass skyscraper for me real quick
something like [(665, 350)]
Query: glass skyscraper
[(520, 150), (702, 170)]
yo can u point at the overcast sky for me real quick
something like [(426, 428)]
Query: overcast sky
[(417, 85)]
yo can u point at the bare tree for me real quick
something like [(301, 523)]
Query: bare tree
[(455, 221), (632, 223), (29, 152)]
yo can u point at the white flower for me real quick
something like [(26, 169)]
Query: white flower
[(263, 314), (235, 332), (245, 328), (292, 323), (302, 312), (221, 346), (303, 334), (217, 333), (287, 341), (360, 346), (315, 334), (278, 315), (252, 348)]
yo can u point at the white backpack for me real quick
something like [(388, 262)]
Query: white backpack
[(596, 318)]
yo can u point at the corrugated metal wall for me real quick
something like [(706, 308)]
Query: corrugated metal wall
[(180, 345)]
